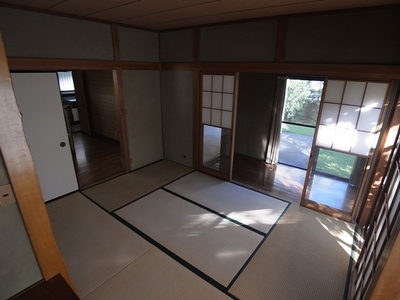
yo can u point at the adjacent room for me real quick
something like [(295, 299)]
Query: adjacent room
[(199, 150), (92, 124)]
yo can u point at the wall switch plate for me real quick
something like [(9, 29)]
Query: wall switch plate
[(6, 195)]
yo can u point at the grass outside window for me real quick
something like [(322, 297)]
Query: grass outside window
[(329, 162)]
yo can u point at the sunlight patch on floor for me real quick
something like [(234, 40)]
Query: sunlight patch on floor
[(228, 254), (345, 238), (260, 216)]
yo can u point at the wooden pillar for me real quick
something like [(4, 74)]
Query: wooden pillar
[(24, 180), (388, 285)]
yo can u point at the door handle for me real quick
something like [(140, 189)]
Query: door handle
[(62, 144)]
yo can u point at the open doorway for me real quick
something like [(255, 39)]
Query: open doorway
[(299, 118), (324, 143), (257, 114), (91, 117), (257, 95)]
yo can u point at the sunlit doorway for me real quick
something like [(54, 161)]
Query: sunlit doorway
[(299, 118), (262, 120)]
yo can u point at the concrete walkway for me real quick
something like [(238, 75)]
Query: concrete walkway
[(295, 149)]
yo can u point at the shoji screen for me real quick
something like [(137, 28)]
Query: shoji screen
[(350, 115), (217, 103)]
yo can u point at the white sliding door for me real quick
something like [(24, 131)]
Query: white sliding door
[(347, 132), (39, 101), (217, 118)]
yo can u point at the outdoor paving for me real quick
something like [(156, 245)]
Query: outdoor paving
[(295, 149)]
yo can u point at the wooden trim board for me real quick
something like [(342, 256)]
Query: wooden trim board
[(24, 180)]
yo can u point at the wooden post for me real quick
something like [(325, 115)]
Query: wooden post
[(24, 180), (388, 285)]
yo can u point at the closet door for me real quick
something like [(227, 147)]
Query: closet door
[(39, 100)]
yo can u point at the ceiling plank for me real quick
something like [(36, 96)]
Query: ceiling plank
[(39, 4), (174, 14), (148, 7), (218, 11), (89, 7)]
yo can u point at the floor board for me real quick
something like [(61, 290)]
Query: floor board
[(287, 182), (55, 288), (283, 182), (96, 158)]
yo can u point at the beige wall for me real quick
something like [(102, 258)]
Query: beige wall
[(141, 91), (177, 106)]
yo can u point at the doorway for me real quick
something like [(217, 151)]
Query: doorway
[(255, 115), (328, 139), (92, 121), (299, 118)]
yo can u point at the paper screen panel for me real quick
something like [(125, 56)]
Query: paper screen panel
[(334, 91), (354, 93)]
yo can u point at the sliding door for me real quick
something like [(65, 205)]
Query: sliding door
[(347, 131), (217, 119), (39, 100)]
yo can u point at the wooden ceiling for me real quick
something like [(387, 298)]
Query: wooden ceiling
[(172, 14)]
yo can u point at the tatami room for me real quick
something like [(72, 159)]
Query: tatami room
[(166, 231), (248, 153)]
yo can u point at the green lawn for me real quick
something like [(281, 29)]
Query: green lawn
[(298, 129), (329, 162), (335, 163)]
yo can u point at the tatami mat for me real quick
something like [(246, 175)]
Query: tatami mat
[(156, 276), (244, 205), (213, 245), (120, 191), (305, 257), (95, 245)]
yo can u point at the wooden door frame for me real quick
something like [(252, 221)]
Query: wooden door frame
[(380, 161), (358, 206), (24, 181)]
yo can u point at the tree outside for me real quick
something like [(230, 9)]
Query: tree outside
[(303, 98), (302, 103)]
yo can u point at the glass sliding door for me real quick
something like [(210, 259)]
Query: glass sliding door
[(299, 118), (347, 132), (217, 115)]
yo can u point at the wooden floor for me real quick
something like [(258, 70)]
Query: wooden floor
[(286, 183), (55, 288), (96, 159), (283, 182)]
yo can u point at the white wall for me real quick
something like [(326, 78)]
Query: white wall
[(177, 105), (141, 91)]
